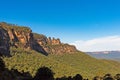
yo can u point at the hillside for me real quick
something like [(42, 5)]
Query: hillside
[(87, 65), (30, 61), (62, 65)]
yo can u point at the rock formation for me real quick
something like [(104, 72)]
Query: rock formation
[(53, 41), (54, 46), (22, 37)]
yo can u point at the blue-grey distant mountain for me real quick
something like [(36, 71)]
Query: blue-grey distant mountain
[(115, 55)]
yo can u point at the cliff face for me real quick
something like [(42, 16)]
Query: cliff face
[(22, 37), (54, 46), (4, 43)]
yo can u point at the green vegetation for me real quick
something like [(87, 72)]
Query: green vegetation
[(62, 65), (31, 61), (88, 66), (17, 28), (39, 36)]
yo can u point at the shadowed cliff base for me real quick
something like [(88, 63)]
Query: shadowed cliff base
[(4, 43)]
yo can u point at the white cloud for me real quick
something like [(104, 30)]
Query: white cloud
[(99, 44)]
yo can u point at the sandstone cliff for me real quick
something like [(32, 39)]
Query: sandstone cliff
[(22, 37), (54, 46)]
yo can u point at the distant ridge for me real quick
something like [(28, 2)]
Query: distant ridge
[(115, 55)]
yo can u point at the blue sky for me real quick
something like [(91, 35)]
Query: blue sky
[(70, 20)]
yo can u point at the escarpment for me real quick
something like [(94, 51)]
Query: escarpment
[(54, 46), (22, 37)]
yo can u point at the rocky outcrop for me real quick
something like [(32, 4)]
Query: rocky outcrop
[(53, 41), (62, 48), (22, 37), (54, 46), (4, 43), (26, 40)]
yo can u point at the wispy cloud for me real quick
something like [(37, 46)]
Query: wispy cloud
[(99, 44)]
